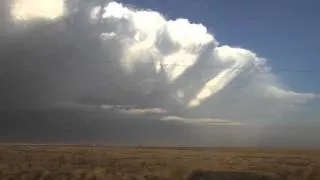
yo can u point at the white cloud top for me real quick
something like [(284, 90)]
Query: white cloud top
[(30, 9)]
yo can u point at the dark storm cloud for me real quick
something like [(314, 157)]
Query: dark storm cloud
[(44, 62)]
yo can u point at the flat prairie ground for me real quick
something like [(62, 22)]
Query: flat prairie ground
[(48, 162)]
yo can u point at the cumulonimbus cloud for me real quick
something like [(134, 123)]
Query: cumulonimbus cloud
[(183, 47), (170, 61)]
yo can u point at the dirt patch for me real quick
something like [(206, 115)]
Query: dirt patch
[(226, 175)]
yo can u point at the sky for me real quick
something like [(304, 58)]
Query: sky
[(209, 68)]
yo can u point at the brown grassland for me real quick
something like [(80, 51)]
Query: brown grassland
[(150, 163)]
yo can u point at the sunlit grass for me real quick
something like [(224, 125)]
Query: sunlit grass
[(79, 162)]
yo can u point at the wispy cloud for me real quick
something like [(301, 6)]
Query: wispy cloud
[(202, 121)]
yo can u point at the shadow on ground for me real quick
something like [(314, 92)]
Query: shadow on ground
[(225, 175)]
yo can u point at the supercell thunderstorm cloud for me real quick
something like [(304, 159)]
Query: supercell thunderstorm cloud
[(54, 52)]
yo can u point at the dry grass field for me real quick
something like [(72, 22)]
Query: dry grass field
[(142, 163)]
